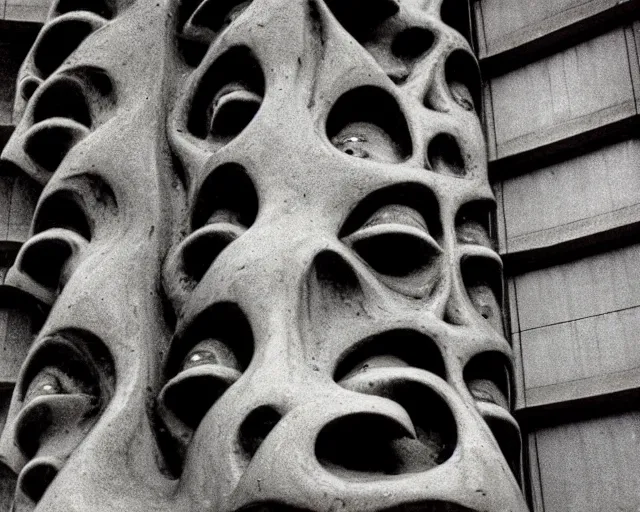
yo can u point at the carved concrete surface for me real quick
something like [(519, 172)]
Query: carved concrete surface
[(263, 258)]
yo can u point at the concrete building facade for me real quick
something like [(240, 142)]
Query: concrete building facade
[(561, 99)]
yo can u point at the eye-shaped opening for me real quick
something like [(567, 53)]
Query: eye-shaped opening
[(463, 78), (444, 156), (414, 196), (412, 43), (482, 278), (474, 223), (228, 96), (488, 377), (367, 122), (396, 348), (227, 325), (202, 364), (63, 209), (227, 195), (58, 42), (78, 355), (99, 7), (361, 17), (69, 379)]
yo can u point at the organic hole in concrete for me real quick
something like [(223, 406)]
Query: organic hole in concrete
[(58, 42), (62, 210), (256, 427)]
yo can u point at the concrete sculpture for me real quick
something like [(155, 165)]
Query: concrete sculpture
[(262, 251)]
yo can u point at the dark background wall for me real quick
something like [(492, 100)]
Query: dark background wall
[(561, 111)]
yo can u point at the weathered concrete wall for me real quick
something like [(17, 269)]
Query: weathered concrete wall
[(562, 89)]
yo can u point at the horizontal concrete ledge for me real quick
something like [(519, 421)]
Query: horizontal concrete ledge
[(564, 143), (580, 399), (556, 33), (572, 241)]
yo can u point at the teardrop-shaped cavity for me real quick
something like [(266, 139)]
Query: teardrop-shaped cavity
[(212, 16), (256, 427), (36, 477), (482, 278), (404, 203), (398, 348), (456, 14), (463, 78), (228, 96), (487, 376), (474, 223), (59, 41), (411, 43), (224, 322), (227, 195), (63, 209), (444, 156), (335, 274), (361, 17), (49, 142), (63, 98), (367, 122), (100, 7)]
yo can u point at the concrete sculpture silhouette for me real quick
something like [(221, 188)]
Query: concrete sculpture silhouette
[(263, 255)]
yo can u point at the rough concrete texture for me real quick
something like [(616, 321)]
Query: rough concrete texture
[(263, 248)]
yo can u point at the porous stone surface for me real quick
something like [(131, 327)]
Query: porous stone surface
[(263, 261)]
